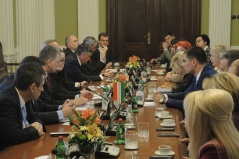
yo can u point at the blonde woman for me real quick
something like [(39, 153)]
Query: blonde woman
[(216, 52), (176, 65), (208, 120), (229, 83)]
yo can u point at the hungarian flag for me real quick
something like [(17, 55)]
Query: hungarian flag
[(119, 91)]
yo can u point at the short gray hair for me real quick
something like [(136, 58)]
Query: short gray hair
[(49, 52), (230, 56), (90, 41)]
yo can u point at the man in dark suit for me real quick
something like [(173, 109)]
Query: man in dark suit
[(195, 62), (47, 113), (71, 42), (103, 40), (18, 122), (74, 65)]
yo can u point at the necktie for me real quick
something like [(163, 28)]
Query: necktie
[(48, 83), (24, 115)]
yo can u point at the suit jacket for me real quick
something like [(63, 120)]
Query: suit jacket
[(45, 112), (96, 56), (175, 100), (11, 120), (76, 73), (68, 52)]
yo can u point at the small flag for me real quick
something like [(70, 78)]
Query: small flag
[(119, 91)]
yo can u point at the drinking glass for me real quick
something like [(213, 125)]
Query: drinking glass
[(143, 129)]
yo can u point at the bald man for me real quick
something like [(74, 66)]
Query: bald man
[(71, 43)]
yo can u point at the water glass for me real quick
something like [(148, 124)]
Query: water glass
[(131, 140), (143, 129), (152, 88)]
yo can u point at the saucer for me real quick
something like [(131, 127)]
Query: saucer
[(172, 125), (160, 73), (149, 98), (170, 116), (153, 79), (169, 154)]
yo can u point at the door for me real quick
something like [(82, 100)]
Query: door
[(137, 27)]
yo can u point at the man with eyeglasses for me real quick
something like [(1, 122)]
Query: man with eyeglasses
[(103, 40)]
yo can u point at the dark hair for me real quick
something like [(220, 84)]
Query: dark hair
[(204, 38), (49, 52), (29, 59), (102, 34), (196, 53), (27, 74), (170, 33), (230, 55), (82, 48)]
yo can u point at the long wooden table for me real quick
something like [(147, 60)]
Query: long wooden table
[(147, 146)]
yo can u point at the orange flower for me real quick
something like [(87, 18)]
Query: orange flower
[(75, 121), (84, 114), (97, 120)]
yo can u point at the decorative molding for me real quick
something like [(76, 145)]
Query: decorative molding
[(88, 19), (219, 22)]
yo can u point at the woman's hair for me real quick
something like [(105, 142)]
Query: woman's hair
[(218, 50), (177, 60), (224, 81), (208, 116), (185, 44)]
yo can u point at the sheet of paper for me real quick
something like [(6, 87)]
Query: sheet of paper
[(96, 97)]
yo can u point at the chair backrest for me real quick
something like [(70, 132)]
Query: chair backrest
[(3, 71), (1, 54)]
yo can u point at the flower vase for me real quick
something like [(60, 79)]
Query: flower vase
[(88, 151)]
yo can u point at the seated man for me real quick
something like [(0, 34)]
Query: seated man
[(195, 62), (103, 40), (74, 66), (71, 42), (18, 122), (47, 113)]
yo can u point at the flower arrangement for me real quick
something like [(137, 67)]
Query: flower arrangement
[(133, 62), (121, 78), (85, 131)]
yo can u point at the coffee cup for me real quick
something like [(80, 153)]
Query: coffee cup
[(164, 149), (116, 64), (160, 72), (150, 96), (164, 114), (168, 121), (153, 77)]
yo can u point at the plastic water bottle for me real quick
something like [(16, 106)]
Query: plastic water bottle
[(120, 132), (60, 148), (140, 96), (129, 115), (104, 102)]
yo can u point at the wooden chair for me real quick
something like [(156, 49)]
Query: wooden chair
[(3, 71)]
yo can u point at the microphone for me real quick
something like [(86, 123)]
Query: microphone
[(96, 93), (143, 84), (95, 84)]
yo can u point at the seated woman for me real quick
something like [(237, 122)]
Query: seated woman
[(208, 120), (178, 47), (229, 83), (176, 64), (216, 52)]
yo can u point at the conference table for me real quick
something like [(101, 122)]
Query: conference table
[(147, 146)]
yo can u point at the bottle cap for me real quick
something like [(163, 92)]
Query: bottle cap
[(60, 137), (120, 119)]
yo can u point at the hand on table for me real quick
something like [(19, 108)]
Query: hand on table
[(67, 108), (38, 127), (86, 94), (80, 101)]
